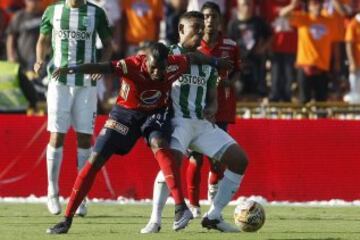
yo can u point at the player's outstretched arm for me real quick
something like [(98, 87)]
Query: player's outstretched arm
[(220, 63), (88, 68)]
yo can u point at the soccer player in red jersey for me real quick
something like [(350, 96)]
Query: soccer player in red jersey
[(216, 45), (141, 110)]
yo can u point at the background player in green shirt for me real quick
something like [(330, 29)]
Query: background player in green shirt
[(71, 28)]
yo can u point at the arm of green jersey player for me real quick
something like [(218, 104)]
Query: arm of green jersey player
[(42, 49), (200, 58), (88, 68)]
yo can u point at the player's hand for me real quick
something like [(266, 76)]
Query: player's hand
[(60, 71), (225, 63), (96, 76), (209, 114), (38, 66)]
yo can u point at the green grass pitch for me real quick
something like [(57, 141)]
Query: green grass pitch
[(120, 222)]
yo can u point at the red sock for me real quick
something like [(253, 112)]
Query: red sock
[(193, 179), (216, 172), (81, 188), (171, 171)]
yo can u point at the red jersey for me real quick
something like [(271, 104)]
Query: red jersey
[(138, 91), (225, 47)]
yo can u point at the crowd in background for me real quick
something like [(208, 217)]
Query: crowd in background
[(278, 51)]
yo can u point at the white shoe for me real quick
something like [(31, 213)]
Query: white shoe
[(212, 191), (218, 224), (53, 204), (82, 209), (151, 227), (196, 211), (182, 219)]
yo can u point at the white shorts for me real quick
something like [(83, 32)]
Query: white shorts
[(71, 106), (200, 136)]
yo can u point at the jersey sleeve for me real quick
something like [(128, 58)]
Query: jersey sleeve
[(123, 67), (46, 21), (103, 25), (213, 78), (181, 61)]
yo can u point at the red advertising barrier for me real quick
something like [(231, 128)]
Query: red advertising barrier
[(295, 160)]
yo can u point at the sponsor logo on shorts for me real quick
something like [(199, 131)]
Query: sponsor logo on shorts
[(150, 97), (118, 127)]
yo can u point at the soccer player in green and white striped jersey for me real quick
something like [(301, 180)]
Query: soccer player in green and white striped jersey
[(189, 92), (194, 100), (71, 28)]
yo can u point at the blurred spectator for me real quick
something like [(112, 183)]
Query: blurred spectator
[(226, 7), (338, 10), (283, 50), (113, 12), (22, 35), (173, 10), (140, 22), (253, 35), (353, 52), (11, 6), (2, 35), (316, 33), (108, 86)]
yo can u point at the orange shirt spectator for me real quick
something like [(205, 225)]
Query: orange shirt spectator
[(315, 37), (329, 11), (353, 36), (142, 20)]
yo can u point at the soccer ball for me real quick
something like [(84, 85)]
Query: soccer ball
[(249, 216)]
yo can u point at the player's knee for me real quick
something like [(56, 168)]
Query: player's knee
[(56, 140), (157, 142), (236, 159)]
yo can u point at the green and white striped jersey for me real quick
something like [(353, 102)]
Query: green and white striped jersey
[(73, 36), (188, 93)]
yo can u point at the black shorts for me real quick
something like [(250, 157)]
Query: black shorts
[(125, 126)]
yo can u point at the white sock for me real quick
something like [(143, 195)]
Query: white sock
[(53, 162), (160, 194), (227, 189), (83, 155)]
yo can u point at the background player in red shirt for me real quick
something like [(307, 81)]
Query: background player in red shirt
[(141, 110), (214, 44)]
